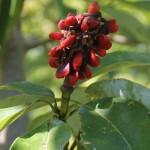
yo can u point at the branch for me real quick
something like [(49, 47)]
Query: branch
[(37, 43)]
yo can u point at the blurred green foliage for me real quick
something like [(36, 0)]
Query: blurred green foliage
[(40, 17)]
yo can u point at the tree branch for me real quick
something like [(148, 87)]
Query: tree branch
[(37, 43)]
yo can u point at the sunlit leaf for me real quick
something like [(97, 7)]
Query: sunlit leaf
[(14, 107), (28, 88), (120, 88), (124, 125), (39, 120), (119, 60), (52, 135)]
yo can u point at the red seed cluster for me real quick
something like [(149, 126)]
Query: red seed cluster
[(83, 40)]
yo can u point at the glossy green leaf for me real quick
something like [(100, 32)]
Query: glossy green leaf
[(120, 88), (124, 125), (13, 107), (118, 60), (28, 88), (121, 59), (52, 135), (39, 120)]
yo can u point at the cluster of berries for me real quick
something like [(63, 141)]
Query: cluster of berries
[(83, 38)]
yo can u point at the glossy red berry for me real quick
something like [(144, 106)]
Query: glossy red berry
[(62, 25), (56, 36), (67, 42), (101, 52), (84, 26), (94, 7), (53, 62), (77, 61), (70, 20), (82, 41), (79, 18), (113, 27), (94, 60), (73, 78), (92, 23), (63, 70), (53, 52), (104, 42), (87, 72)]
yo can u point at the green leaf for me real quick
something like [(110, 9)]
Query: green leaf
[(13, 107), (39, 120), (53, 135), (34, 96), (28, 88), (117, 60), (121, 59), (99, 133), (124, 125), (120, 88)]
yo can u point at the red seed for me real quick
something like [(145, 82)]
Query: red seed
[(77, 61), (109, 45), (101, 52), (62, 25), (53, 52), (112, 22), (87, 72), (94, 60), (104, 42), (94, 7), (79, 18), (56, 36), (92, 23), (67, 42), (73, 78), (84, 26), (63, 70), (113, 27), (53, 62), (70, 21)]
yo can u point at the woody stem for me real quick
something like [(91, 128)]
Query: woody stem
[(66, 89)]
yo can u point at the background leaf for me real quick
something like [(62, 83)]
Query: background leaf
[(144, 4), (52, 135), (28, 88), (120, 88), (121, 59), (13, 107), (124, 125), (4, 18)]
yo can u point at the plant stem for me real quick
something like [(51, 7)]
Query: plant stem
[(66, 89)]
